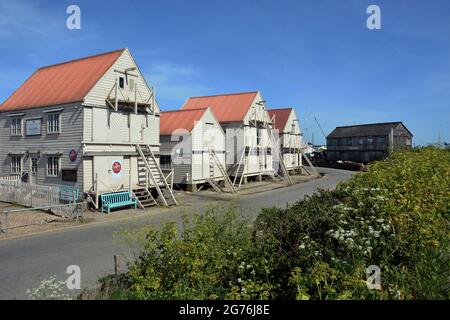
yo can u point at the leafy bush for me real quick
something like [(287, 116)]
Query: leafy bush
[(396, 216)]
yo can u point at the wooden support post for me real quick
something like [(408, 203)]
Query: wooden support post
[(135, 99), (116, 265), (116, 98), (154, 99), (129, 176), (192, 187)]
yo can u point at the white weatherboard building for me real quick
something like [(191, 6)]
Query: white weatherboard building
[(249, 138), (193, 148), (90, 123), (287, 127)]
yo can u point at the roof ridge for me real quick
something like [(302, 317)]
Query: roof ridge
[(370, 124), (224, 94), (80, 59), (181, 110), (287, 108)]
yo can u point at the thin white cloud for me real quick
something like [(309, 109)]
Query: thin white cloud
[(22, 18), (174, 83)]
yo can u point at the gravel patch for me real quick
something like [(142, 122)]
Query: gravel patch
[(20, 223)]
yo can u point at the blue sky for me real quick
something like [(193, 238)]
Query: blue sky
[(317, 56)]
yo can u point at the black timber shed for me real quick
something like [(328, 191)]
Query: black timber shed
[(367, 142)]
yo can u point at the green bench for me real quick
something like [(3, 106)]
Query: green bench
[(117, 200)]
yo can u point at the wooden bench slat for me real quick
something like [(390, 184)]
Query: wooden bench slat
[(117, 200)]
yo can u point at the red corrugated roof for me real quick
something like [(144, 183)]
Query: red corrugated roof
[(170, 121), (226, 107), (61, 83), (281, 117)]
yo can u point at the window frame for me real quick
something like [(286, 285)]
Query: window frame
[(12, 128), (131, 85), (408, 142), (350, 141), (121, 83), (16, 166), (51, 173), (165, 166), (34, 164), (58, 125)]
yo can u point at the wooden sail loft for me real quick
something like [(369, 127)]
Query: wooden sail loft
[(125, 93), (260, 116)]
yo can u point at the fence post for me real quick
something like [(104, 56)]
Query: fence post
[(116, 265)]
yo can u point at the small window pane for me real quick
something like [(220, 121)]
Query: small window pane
[(131, 85), (16, 164), (53, 123), (16, 126), (34, 165), (52, 166)]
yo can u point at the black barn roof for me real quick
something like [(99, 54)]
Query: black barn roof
[(373, 129)]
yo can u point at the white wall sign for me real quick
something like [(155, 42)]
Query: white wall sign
[(33, 127), (117, 168)]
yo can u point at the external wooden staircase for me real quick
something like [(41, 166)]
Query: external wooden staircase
[(151, 176), (144, 198), (214, 160), (277, 151)]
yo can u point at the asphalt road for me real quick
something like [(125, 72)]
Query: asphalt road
[(25, 261)]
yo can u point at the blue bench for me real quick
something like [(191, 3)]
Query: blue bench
[(117, 200)]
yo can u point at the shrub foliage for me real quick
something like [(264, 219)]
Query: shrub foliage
[(396, 216)]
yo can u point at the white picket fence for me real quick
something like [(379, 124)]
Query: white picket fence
[(10, 178), (37, 196)]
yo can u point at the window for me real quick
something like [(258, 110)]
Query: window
[(258, 137), (121, 82), (408, 142), (16, 164), (370, 140), (349, 141), (382, 140), (53, 123), (131, 85), (16, 126), (360, 140), (52, 166), (333, 141), (165, 162), (34, 165), (69, 175)]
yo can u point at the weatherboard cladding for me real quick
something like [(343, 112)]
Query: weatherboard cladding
[(376, 129), (48, 144), (182, 167), (284, 123), (102, 88), (199, 128)]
